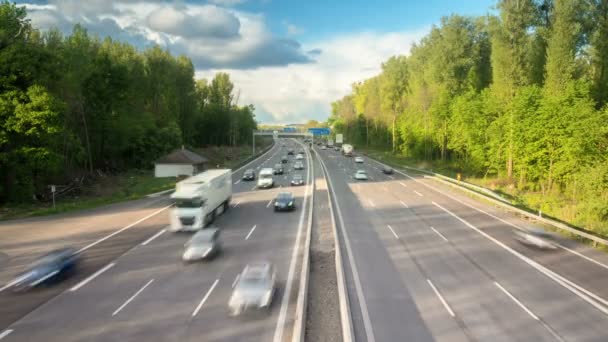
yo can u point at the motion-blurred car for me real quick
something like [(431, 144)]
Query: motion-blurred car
[(336, 148), (254, 288), (51, 267), (290, 151), (300, 156), (323, 147), (298, 165), (249, 175), (361, 175), (205, 244), (297, 179), (278, 169), (536, 238), (285, 201), (284, 160), (387, 170), (358, 160)]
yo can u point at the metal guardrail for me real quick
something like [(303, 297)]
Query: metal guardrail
[(522, 212), (348, 334), (497, 200)]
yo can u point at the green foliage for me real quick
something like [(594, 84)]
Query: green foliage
[(73, 104), (519, 97)]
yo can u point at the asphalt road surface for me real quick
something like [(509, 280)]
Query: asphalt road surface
[(426, 263), (423, 262), (145, 292)]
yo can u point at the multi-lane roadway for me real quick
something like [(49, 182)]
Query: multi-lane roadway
[(148, 294), (422, 262), (425, 263)]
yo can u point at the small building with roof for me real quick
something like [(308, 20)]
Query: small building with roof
[(180, 162)]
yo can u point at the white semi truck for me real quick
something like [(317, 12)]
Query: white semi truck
[(200, 198), (347, 150)]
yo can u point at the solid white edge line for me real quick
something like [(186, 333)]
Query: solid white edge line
[(250, 232), (200, 305), (132, 297), (582, 293), (403, 204), (91, 277), (269, 203), (438, 233), (445, 304), (576, 289), (5, 333), (236, 204), (123, 229), (584, 257), (371, 203), (367, 324), (392, 231), (237, 182), (417, 193), (521, 305), (403, 184), (280, 327), (45, 278), (345, 312), (15, 281), (159, 233)]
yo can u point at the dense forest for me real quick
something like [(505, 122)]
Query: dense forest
[(72, 105), (519, 96)]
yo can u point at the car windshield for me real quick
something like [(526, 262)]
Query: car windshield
[(284, 196), (265, 176), (196, 202)]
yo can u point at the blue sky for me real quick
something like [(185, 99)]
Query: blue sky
[(290, 59)]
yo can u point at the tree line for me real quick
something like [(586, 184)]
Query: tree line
[(520, 96), (71, 105)]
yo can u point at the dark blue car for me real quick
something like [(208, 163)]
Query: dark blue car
[(50, 267)]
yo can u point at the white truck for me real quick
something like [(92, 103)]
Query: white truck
[(347, 150), (265, 179), (199, 199), (339, 139), (330, 143)]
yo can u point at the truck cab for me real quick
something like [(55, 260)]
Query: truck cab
[(199, 199)]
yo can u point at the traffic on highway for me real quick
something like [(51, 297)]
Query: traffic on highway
[(220, 259)]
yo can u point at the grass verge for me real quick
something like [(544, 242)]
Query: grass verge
[(131, 185)]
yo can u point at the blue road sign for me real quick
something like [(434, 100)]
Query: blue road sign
[(289, 129), (319, 131)]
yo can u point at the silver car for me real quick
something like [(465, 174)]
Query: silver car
[(358, 160), (204, 244), (361, 175), (536, 238), (298, 165), (253, 288), (300, 156)]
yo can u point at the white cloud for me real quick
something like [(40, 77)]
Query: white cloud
[(206, 22), (227, 3), (293, 29), (296, 93)]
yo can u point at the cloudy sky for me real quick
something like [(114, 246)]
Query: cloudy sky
[(289, 58)]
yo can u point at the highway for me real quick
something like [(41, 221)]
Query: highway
[(147, 293), (426, 263), (422, 262)]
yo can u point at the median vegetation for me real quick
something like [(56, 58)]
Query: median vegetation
[(514, 101), (79, 108)]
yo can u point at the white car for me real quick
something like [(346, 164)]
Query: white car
[(265, 179), (361, 175), (358, 160), (254, 288), (536, 238), (323, 147), (300, 156), (298, 165)]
